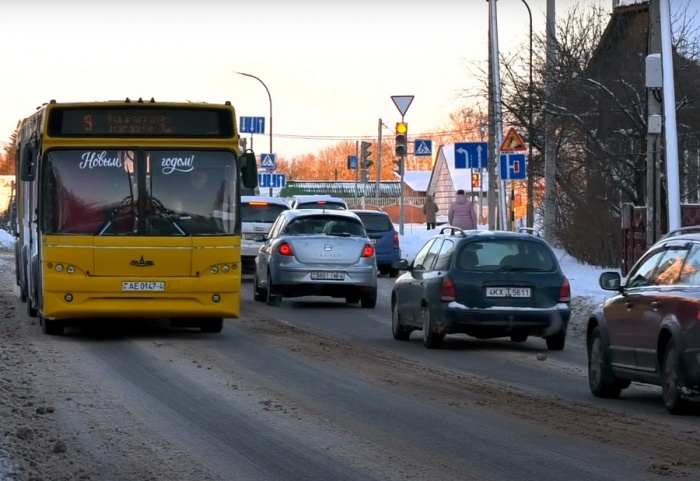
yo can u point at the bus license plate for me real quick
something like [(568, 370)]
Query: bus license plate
[(507, 292), (141, 286), (328, 276)]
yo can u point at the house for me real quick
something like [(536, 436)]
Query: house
[(415, 184)]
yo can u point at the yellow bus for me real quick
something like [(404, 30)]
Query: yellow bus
[(130, 209)]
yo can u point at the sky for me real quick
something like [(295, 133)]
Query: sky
[(331, 66)]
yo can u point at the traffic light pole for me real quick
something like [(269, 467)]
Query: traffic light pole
[(401, 206), (357, 165)]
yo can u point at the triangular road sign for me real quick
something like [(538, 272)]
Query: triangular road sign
[(423, 149), (267, 161), (512, 142), (402, 102)]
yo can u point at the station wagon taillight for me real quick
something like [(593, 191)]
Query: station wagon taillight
[(448, 291), (285, 249), (565, 291), (368, 251), (396, 240)]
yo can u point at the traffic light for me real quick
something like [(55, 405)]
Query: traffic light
[(399, 166), (364, 154), (475, 180), (401, 139)]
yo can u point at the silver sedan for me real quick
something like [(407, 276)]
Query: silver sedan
[(316, 252)]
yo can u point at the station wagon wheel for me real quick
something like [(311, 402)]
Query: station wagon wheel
[(556, 342), (257, 294), (670, 391), (601, 379), (431, 339), (272, 299), (400, 332)]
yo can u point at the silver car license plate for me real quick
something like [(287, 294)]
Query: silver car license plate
[(507, 292), (327, 276), (140, 286)]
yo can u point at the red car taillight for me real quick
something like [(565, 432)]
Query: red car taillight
[(448, 291), (285, 249), (396, 240), (368, 251), (565, 291)]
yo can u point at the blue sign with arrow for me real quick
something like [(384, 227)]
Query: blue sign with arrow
[(252, 125), (513, 166), (472, 155), (272, 180)]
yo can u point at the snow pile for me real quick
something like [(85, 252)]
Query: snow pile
[(7, 241)]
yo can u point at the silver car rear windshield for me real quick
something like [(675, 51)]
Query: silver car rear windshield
[(328, 225)]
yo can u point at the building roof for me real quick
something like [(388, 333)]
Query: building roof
[(345, 189), (417, 180)]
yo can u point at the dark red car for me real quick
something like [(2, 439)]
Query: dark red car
[(649, 331)]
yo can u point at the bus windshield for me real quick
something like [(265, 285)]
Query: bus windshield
[(139, 192)]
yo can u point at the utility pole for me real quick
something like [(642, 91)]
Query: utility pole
[(653, 84), (673, 191), (379, 161), (550, 161), (491, 167), (357, 165), (497, 109)]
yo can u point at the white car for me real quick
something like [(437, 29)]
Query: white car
[(258, 213)]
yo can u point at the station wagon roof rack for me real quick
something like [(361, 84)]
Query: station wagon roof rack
[(682, 230), (530, 230), (454, 230)]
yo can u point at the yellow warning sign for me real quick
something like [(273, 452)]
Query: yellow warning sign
[(512, 142)]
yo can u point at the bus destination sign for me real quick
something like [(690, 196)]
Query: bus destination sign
[(196, 122)]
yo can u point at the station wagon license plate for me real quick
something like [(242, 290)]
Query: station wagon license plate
[(140, 286), (328, 276), (508, 292), (374, 241)]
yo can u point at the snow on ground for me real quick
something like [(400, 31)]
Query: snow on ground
[(7, 241)]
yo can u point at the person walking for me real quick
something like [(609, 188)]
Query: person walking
[(430, 208), (462, 213)]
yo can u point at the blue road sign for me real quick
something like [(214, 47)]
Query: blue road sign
[(513, 166), (352, 162), (472, 155), (267, 161), (252, 125), (272, 180), (422, 148)]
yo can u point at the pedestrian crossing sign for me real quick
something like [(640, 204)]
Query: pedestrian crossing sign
[(512, 142), (267, 161), (423, 148)]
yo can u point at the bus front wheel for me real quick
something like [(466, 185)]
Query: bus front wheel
[(212, 325)]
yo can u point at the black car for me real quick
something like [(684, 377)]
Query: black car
[(486, 284), (649, 330)]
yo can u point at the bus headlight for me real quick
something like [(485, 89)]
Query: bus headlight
[(70, 269), (225, 268), (59, 267), (68, 297), (214, 270), (216, 298)]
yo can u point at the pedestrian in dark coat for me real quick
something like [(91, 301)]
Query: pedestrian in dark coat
[(430, 208)]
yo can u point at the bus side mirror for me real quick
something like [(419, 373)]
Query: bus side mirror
[(249, 169), (27, 162)]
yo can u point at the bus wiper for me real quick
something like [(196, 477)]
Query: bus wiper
[(167, 214), (127, 201)]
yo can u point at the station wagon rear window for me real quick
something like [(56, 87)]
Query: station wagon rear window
[(376, 222), (505, 255), (262, 212)]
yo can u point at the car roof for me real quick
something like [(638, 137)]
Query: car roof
[(264, 198), (691, 232), (451, 231), (294, 214)]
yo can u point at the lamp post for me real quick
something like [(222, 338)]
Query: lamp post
[(530, 180), (270, 98)]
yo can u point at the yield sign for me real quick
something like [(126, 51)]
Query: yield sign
[(512, 142), (402, 102)]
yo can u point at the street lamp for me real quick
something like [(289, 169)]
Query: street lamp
[(530, 179), (270, 98)]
